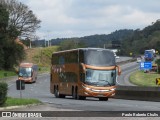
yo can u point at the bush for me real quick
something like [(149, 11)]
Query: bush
[(158, 64), (3, 93), (157, 61)]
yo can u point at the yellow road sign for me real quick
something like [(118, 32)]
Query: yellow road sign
[(157, 81), (130, 54)]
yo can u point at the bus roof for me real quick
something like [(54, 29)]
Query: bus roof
[(71, 50), (26, 64)]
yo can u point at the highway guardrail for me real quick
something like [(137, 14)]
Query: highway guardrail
[(138, 93)]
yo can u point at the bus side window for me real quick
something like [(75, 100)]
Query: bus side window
[(32, 72), (88, 75), (81, 56), (82, 77)]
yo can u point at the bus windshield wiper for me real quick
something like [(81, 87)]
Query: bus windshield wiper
[(91, 83), (108, 83)]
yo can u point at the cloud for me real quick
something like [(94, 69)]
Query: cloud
[(76, 18)]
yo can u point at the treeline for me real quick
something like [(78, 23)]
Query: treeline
[(129, 41), (96, 40), (141, 40), (16, 20)]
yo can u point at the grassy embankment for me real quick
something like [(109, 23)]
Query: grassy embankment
[(40, 56), (6, 73), (144, 79)]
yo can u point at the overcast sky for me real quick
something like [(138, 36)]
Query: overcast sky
[(78, 18)]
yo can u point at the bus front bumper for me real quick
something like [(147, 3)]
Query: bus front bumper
[(99, 92), (29, 79)]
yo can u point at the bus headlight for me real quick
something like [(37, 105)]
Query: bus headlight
[(87, 88), (113, 89)]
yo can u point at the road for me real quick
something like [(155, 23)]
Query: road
[(127, 70), (40, 90)]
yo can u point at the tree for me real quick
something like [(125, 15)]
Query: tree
[(4, 16), (71, 44), (15, 20), (20, 18)]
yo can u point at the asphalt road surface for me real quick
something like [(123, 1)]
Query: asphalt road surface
[(41, 90), (127, 70)]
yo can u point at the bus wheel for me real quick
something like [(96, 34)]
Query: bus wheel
[(82, 97), (34, 81), (74, 94), (61, 96), (103, 99), (56, 92)]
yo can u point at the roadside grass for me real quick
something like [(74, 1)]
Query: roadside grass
[(41, 56), (4, 74), (144, 79), (43, 69), (20, 101)]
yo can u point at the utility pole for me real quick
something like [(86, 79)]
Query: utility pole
[(49, 43), (30, 46)]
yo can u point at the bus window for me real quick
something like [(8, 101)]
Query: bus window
[(100, 77), (25, 72), (82, 77), (88, 75)]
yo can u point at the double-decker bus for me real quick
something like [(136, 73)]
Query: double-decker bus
[(28, 72), (84, 72)]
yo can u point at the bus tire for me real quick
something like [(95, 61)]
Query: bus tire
[(74, 94), (56, 92), (34, 81), (78, 97), (103, 98), (82, 97), (61, 96)]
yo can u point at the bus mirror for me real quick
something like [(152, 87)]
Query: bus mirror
[(20, 75), (16, 71), (119, 70), (84, 70), (83, 67), (31, 72)]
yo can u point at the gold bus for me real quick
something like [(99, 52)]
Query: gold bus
[(84, 72), (28, 72)]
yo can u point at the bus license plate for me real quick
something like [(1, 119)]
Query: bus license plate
[(100, 95)]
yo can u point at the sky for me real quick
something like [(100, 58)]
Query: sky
[(79, 18)]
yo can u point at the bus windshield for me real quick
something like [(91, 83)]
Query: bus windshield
[(100, 77), (25, 72), (99, 58)]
